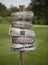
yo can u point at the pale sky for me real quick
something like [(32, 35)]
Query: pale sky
[(16, 3)]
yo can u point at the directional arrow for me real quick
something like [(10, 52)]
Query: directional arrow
[(22, 40), (22, 24), (19, 47), (21, 32), (22, 15)]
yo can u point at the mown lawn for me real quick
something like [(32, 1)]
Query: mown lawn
[(37, 57)]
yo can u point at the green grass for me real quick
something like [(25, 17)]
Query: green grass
[(37, 57)]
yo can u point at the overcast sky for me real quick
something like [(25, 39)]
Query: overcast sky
[(16, 3)]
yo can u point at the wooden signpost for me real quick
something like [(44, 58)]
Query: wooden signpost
[(22, 40)]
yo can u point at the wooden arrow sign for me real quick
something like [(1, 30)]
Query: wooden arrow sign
[(21, 32), (21, 24), (19, 47), (22, 15), (22, 40)]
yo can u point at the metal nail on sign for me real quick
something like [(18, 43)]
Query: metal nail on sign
[(22, 15), (21, 32), (21, 24)]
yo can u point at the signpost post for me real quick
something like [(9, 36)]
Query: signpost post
[(21, 52), (21, 57), (22, 40)]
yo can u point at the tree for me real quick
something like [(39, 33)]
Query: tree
[(6, 12), (2, 9), (28, 8), (13, 9), (40, 9)]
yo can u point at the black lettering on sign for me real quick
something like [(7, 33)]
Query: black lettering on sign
[(22, 32)]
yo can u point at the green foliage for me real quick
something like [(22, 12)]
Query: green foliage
[(28, 8), (14, 9), (4, 12), (2, 9), (5, 20), (40, 9), (41, 21), (37, 57)]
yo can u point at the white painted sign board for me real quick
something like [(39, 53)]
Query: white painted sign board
[(22, 40), (21, 32), (19, 47), (22, 24), (22, 15)]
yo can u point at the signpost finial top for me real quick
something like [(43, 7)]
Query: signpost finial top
[(21, 7)]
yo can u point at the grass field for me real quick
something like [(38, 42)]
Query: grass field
[(37, 57)]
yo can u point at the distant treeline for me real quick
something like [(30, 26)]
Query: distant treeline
[(4, 11), (40, 10), (40, 17)]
